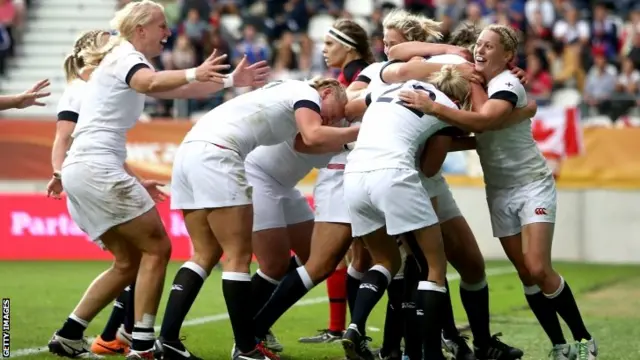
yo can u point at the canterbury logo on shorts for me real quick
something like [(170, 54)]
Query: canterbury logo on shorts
[(540, 211)]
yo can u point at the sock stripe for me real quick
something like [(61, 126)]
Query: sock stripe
[(80, 321), (267, 277), (196, 269), (351, 271), (236, 276)]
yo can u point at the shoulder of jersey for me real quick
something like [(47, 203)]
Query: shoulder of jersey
[(505, 80)]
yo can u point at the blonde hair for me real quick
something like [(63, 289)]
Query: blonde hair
[(353, 30), (451, 82), (320, 83), (125, 21), (412, 27), (74, 63), (509, 37)]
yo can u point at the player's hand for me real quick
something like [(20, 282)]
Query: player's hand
[(520, 74), (31, 96), (209, 70), (254, 75), (152, 187), (54, 188), (468, 71), (418, 100)]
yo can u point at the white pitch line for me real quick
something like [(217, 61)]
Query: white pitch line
[(224, 316)]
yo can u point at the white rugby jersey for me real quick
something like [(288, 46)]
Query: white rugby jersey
[(285, 165), (109, 107), (264, 116), (510, 157), (447, 59), (371, 75), (70, 101), (391, 133)]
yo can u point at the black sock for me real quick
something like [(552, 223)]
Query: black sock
[(565, 304), (294, 263), (393, 322), (291, 289), (117, 317), (236, 288), (432, 301), (412, 331), (372, 287), (475, 299), (143, 338), (73, 329), (262, 287), (545, 313), (185, 289), (130, 318), (353, 284), (448, 321)]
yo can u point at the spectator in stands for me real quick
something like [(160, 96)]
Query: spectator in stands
[(630, 30), (251, 45), (570, 28), (604, 31), (543, 9), (183, 55), (601, 83), (196, 29), (540, 82), (474, 15), (285, 59), (7, 20), (626, 90), (538, 29)]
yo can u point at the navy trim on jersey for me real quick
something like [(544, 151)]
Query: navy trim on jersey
[(363, 78), (133, 70), (367, 99), (385, 65), (306, 104), (507, 96), (68, 116), (352, 69)]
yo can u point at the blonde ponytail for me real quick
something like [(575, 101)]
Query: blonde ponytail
[(71, 69), (75, 62), (125, 21), (451, 82), (412, 27)]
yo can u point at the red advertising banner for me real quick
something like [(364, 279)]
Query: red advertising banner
[(34, 227)]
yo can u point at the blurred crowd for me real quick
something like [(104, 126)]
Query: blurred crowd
[(588, 47), (12, 17)]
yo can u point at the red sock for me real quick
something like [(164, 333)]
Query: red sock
[(337, 292)]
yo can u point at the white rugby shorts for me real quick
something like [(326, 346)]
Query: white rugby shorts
[(437, 187), (206, 176), (275, 206), (394, 198), (514, 207), (328, 197), (101, 196)]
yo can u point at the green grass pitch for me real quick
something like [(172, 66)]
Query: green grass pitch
[(44, 293)]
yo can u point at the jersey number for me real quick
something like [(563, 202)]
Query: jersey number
[(386, 99)]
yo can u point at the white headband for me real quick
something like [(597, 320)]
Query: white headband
[(342, 38)]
